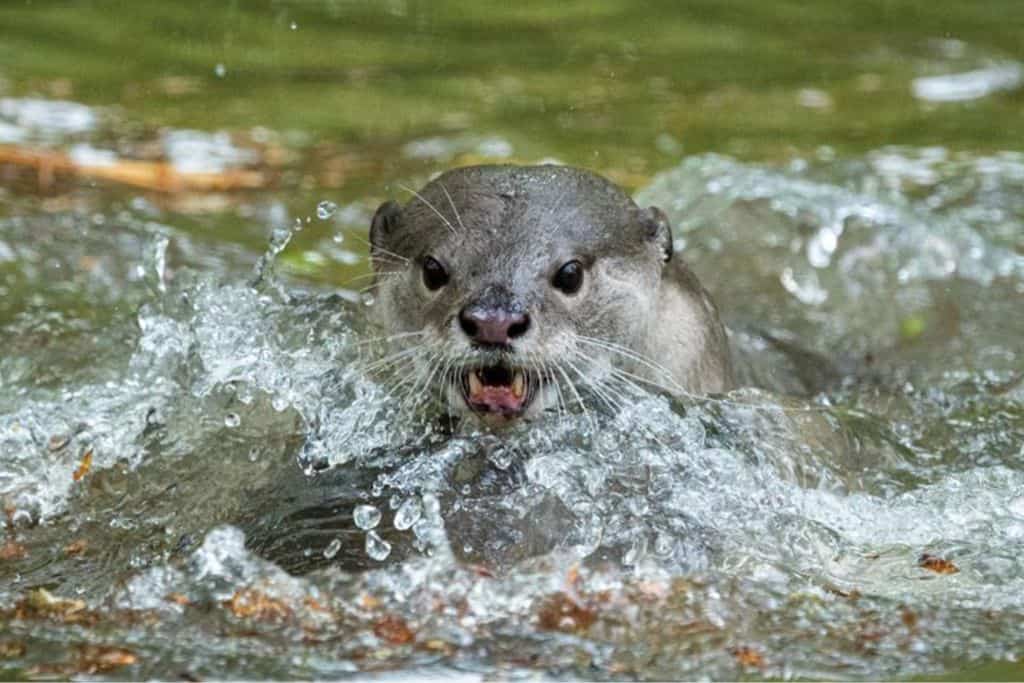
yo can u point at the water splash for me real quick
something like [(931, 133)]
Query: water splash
[(760, 533)]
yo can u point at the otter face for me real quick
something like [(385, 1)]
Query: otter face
[(509, 289)]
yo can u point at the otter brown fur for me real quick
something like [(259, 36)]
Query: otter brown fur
[(507, 290)]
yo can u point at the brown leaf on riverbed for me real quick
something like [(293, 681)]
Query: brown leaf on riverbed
[(76, 547), (89, 660), (561, 613), (12, 551), (393, 630), (936, 564), (41, 604), (84, 466), (10, 649), (748, 657), (93, 659), (178, 599), (249, 603)]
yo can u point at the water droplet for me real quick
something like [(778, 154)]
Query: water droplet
[(366, 516), (331, 550), (636, 551), (377, 547), (367, 299), (220, 70), (501, 458), (232, 420), (662, 545), (245, 394), (279, 239), (408, 513), (325, 209), (432, 506)]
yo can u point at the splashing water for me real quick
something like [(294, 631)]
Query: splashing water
[(246, 477)]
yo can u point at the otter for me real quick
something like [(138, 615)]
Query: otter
[(508, 290)]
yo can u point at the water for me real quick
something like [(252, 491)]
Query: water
[(200, 480)]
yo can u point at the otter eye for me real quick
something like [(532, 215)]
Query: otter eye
[(434, 275), (569, 277)]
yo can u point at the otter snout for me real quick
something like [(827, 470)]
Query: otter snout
[(494, 319), (493, 327)]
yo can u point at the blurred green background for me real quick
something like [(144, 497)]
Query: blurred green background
[(626, 87)]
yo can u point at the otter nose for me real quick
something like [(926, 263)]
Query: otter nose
[(493, 325)]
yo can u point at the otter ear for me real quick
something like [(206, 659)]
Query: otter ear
[(388, 215), (659, 230)]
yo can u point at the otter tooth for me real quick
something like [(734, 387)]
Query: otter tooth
[(517, 384), (475, 385)]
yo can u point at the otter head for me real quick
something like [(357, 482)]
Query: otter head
[(508, 289)]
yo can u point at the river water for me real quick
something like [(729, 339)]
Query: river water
[(201, 481)]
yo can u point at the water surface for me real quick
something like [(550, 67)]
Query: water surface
[(202, 482)]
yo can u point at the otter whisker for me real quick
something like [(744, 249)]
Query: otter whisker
[(604, 388), (387, 339), (535, 365), (432, 208), (579, 398), (563, 410), (675, 389), (594, 383), (433, 363), (376, 248), (388, 360), (448, 380), (413, 398), (660, 370), (452, 204)]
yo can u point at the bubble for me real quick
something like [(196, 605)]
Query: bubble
[(366, 516), (408, 513), (293, 26), (501, 459), (232, 420), (279, 239), (367, 298), (377, 547), (332, 549), (338, 238), (254, 454), (325, 209), (220, 70), (636, 551)]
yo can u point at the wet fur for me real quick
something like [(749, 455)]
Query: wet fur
[(641, 317)]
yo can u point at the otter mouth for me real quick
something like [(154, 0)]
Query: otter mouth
[(499, 390)]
